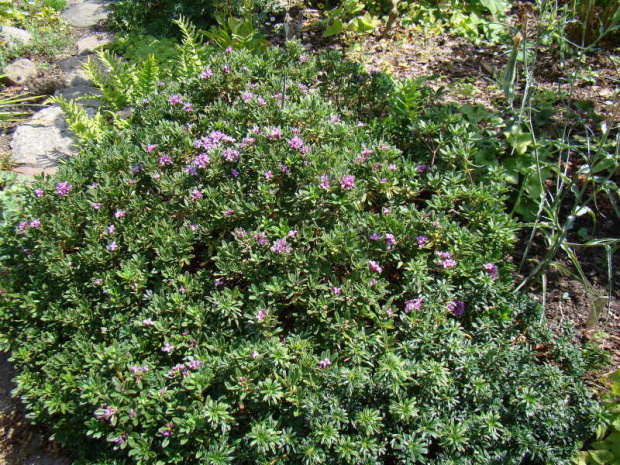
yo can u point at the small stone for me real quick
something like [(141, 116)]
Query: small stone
[(42, 141), (86, 14), (14, 36), (88, 44), (19, 72)]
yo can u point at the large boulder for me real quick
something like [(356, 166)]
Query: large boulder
[(39, 144), (14, 36), (91, 42), (19, 72), (86, 14)]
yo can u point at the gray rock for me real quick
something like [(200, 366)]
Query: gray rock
[(88, 44), (84, 95), (15, 36), (86, 14), (71, 3), (72, 68), (19, 72), (41, 142)]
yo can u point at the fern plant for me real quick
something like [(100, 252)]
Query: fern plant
[(122, 83), (80, 122), (190, 60)]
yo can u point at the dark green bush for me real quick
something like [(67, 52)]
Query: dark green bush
[(154, 16), (249, 275)]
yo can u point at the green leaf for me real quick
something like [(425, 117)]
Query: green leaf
[(601, 456), (495, 6), (334, 29)]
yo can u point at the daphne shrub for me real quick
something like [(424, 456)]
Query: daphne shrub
[(247, 274)]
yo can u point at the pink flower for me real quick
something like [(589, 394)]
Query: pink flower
[(268, 175), (324, 363), (98, 282), (175, 100), (63, 188), (490, 268), (231, 155), (336, 290), (35, 223), (374, 267), (226, 68), (324, 182), (335, 119), (261, 102), (228, 50), (247, 96), (253, 355), (165, 160), (414, 304), (260, 316), (296, 142), (150, 148), (111, 229), (448, 263), (386, 211), (148, 322), (95, 205), (389, 312), (347, 182), (280, 246), (196, 194), (206, 74), (374, 237), (274, 133), (167, 348), (202, 160), (303, 59), (422, 240), (392, 167), (390, 239), (113, 246), (39, 193), (188, 107), (119, 214)]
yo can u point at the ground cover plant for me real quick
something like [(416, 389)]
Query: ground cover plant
[(42, 19), (258, 270)]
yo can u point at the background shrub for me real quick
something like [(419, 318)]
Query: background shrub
[(248, 274), (153, 17)]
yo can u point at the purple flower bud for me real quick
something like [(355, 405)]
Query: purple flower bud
[(374, 267), (325, 363), (63, 188), (457, 308), (260, 316), (422, 240), (491, 269)]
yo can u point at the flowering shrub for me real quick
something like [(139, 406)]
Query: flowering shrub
[(247, 274)]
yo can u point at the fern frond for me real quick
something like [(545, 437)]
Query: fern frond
[(115, 82), (147, 78), (78, 119), (190, 62)]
